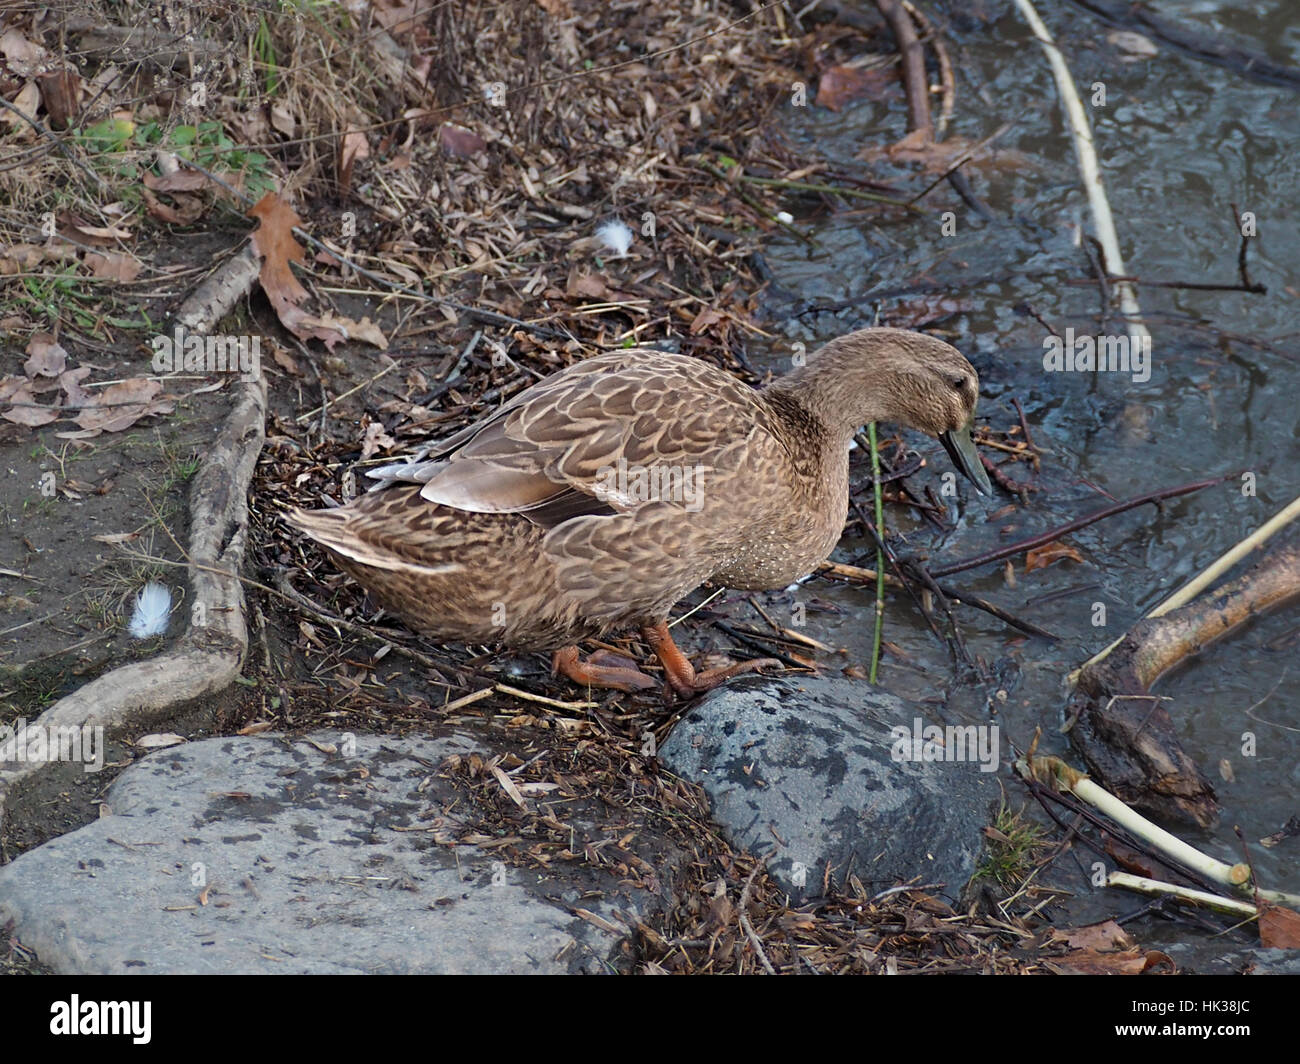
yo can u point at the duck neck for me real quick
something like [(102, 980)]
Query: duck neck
[(838, 390), (817, 443)]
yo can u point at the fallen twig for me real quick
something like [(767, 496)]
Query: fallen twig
[(210, 653), (1125, 733), (947, 83), (1089, 171), (1208, 575), (1028, 627), (1254, 65), (1059, 775), (747, 927), (913, 55), (1073, 526)]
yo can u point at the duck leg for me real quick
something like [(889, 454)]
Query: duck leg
[(591, 673), (681, 674)]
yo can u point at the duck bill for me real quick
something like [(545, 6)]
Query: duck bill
[(961, 449)]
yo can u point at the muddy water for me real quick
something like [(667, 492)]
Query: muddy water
[(1178, 141)]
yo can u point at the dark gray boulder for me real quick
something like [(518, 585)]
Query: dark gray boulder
[(807, 772)]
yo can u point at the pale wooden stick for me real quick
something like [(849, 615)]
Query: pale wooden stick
[(1207, 576), (1232, 906), (1055, 772), (1086, 154), (1142, 885)]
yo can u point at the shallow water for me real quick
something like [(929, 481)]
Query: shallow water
[(1178, 142)]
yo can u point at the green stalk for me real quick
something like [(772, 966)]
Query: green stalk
[(880, 553)]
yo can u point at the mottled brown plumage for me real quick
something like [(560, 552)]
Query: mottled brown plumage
[(518, 530)]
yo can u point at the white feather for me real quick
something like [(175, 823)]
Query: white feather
[(152, 608), (616, 236)]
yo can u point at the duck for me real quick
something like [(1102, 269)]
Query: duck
[(592, 502)]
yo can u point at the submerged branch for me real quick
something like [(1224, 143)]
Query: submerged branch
[(1073, 526)]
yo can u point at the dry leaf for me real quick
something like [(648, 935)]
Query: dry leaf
[(96, 235), (21, 258), (114, 538), (532, 790), (114, 265), (159, 741), (936, 157), (11, 384), (587, 286), (842, 84), (1090, 962), (187, 211), (375, 439), (176, 181), (274, 241), (1042, 557), (48, 358), (332, 328), (508, 785), (250, 127), (1134, 46), (24, 412), (70, 381), (26, 104), (1279, 928), (354, 147), (721, 913), (708, 316), (121, 405), (282, 120), (1104, 937), (22, 56), (459, 142), (286, 361), (397, 16)]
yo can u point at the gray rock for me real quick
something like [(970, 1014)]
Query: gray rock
[(305, 872), (802, 771)]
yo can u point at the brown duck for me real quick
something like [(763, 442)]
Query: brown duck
[(600, 496)]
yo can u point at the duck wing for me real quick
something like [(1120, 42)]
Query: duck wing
[(550, 453)]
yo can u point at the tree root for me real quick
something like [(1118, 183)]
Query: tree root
[(209, 655)]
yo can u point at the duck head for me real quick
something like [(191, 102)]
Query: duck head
[(899, 376)]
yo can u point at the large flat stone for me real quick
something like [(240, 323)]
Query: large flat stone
[(804, 772), (263, 855)]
